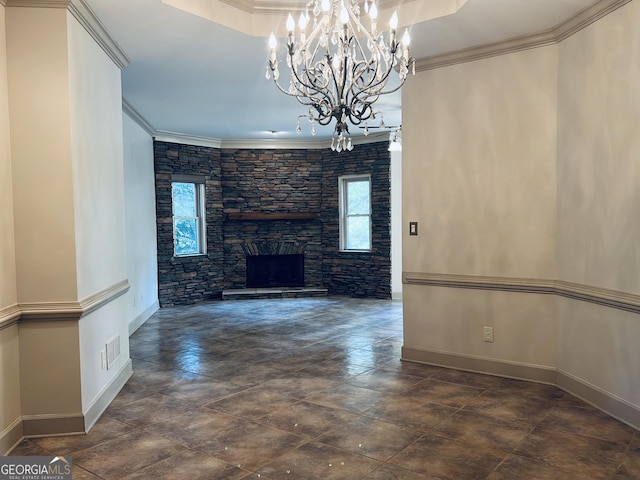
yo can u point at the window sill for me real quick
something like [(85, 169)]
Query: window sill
[(188, 258)]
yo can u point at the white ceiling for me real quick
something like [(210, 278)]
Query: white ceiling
[(191, 76)]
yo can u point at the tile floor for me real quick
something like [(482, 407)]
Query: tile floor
[(313, 389)]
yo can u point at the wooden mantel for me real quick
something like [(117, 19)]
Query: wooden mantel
[(272, 216)]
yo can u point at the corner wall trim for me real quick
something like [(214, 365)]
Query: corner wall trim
[(520, 371), (106, 396), (72, 310), (9, 316), (11, 436), (602, 296)]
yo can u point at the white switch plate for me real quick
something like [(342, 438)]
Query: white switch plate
[(488, 334)]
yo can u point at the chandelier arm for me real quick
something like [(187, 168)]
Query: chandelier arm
[(313, 89)]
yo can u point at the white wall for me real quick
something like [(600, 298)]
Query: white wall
[(479, 144), (98, 188), (599, 200), (140, 217), (9, 352), (523, 171)]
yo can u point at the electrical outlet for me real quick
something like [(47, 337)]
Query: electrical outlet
[(488, 334)]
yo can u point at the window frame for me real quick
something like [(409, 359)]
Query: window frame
[(343, 182), (200, 218)]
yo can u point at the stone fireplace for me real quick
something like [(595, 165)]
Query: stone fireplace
[(280, 202)]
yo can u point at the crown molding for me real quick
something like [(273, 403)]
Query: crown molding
[(264, 143), (516, 44), (92, 24), (586, 17), (552, 36), (136, 117)]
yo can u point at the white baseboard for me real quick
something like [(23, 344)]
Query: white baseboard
[(610, 404), (11, 436), (143, 316), (521, 371), (106, 396)]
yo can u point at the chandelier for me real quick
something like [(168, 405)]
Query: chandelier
[(340, 69)]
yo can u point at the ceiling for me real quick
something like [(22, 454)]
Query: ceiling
[(194, 77)]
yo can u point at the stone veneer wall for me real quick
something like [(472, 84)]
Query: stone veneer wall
[(184, 280), (350, 273), (272, 181), (268, 181)]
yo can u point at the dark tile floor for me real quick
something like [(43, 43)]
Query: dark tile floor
[(313, 389)]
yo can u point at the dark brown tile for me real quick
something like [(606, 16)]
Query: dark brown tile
[(436, 391), (470, 379), (393, 472), (334, 369), (203, 390), (307, 419), (575, 454), (250, 445), (630, 467), (448, 459), (410, 412), (384, 381), (78, 473), (189, 465), (105, 429), (589, 422), (28, 448), (410, 368), (300, 385), (253, 403), (150, 409), (317, 461), (481, 431), (372, 438), (348, 397), (193, 426), (516, 467), (509, 406), (126, 454)]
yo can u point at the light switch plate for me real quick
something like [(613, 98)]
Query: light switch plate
[(413, 228)]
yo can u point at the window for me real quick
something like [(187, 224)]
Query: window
[(187, 200), (355, 212)]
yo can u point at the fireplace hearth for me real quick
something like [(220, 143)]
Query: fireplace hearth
[(268, 271)]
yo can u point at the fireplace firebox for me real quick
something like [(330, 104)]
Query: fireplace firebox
[(267, 271)]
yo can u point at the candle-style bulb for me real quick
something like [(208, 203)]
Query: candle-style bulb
[(406, 39), (272, 41), (373, 11), (290, 23), (393, 21), (302, 21)]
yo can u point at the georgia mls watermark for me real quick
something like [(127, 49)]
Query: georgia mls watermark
[(35, 468)]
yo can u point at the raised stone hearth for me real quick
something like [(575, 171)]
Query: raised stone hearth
[(265, 293)]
